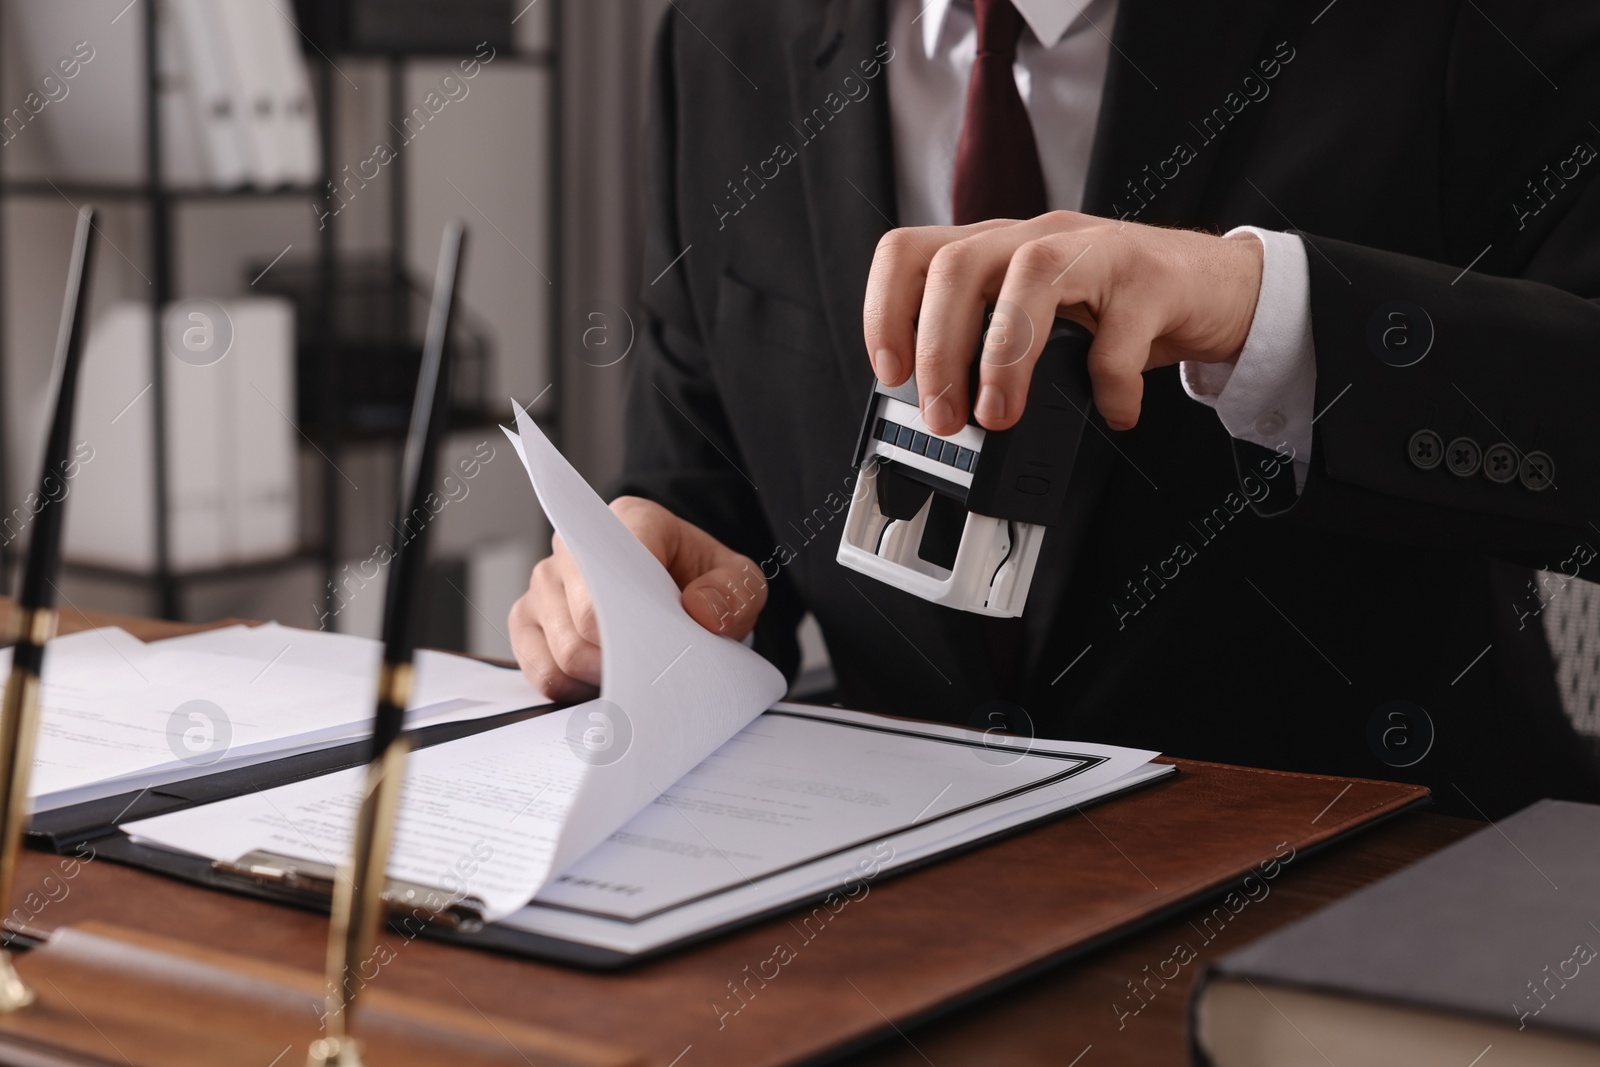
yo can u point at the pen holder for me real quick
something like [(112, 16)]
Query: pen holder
[(159, 1001)]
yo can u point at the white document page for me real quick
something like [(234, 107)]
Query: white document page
[(447, 688), (681, 690), (807, 801), (480, 817), (518, 804), (798, 803), (801, 783), (833, 880)]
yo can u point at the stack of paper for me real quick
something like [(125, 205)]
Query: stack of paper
[(670, 806), (119, 715)]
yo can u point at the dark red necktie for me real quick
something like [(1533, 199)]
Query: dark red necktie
[(997, 173), (997, 176)]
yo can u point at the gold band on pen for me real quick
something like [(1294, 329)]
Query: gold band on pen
[(36, 626), (19, 721), (358, 898), (394, 684)]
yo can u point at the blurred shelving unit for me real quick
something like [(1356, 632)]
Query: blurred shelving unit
[(358, 317)]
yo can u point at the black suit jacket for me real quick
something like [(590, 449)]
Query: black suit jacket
[(1194, 610)]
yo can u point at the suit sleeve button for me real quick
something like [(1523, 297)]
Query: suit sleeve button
[(1463, 457), (1538, 471), (1500, 464), (1425, 449)]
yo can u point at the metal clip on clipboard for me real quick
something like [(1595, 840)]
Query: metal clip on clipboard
[(309, 882)]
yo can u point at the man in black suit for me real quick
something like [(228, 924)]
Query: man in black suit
[(1349, 597)]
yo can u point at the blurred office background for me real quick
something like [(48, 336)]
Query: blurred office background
[(522, 119)]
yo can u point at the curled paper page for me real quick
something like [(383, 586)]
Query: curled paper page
[(498, 815), (671, 691)]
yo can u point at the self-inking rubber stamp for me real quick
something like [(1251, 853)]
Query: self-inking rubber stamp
[(958, 520)]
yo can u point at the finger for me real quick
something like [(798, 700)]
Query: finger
[(964, 275), (1025, 312), (555, 684), (1117, 360), (653, 525), (552, 594), (723, 590), (579, 609), (894, 292), (533, 656), (647, 520)]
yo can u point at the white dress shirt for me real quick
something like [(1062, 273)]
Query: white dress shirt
[(1266, 397)]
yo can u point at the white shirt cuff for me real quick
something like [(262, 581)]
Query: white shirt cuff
[(1268, 396)]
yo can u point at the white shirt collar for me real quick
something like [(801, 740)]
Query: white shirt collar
[(1048, 19)]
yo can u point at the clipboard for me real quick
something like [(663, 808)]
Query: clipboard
[(1230, 864), (304, 884), (415, 909)]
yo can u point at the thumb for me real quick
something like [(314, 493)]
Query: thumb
[(723, 590), (728, 598)]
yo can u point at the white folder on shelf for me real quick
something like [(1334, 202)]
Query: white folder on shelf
[(214, 91), (263, 44), (198, 435), (96, 132), (230, 440), (296, 110), (109, 520), (261, 520), (253, 67)]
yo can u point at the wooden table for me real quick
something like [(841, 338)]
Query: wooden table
[(1075, 1010), (1081, 1013)]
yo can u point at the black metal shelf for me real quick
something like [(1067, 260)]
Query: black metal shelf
[(327, 429), (250, 569), (461, 420), (94, 191), (541, 57)]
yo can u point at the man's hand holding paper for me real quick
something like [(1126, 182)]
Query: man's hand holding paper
[(548, 790), (553, 629)]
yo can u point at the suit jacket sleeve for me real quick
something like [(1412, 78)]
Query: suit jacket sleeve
[(679, 449), (1429, 441), (1404, 452)]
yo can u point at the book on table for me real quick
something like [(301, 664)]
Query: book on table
[(1491, 942)]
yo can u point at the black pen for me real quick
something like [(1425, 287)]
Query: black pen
[(35, 611), (358, 892)]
